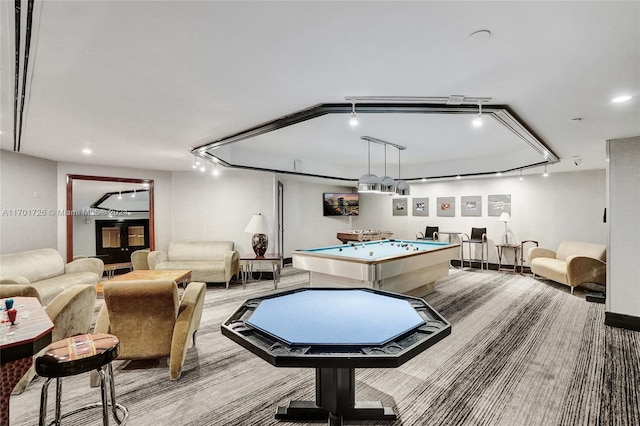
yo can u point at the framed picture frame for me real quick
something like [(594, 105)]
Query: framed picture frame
[(471, 205), (421, 206), (446, 206), (498, 204), (399, 206)]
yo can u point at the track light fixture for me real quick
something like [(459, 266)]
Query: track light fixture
[(545, 174), (133, 195), (477, 122), (353, 119), (119, 195), (196, 162), (521, 178)]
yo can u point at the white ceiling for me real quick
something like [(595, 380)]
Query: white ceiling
[(142, 83)]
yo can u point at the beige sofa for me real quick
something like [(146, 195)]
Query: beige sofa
[(209, 261), (42, 273), (573, 264)]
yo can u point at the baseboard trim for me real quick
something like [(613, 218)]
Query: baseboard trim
[(628, 322)]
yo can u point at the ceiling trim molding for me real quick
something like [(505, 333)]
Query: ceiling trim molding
[(502, 113)]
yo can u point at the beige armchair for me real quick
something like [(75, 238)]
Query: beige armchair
[(71, 313), (150, 321), (139, 259), (573, 264)]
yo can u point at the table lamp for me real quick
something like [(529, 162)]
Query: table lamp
[(505, 217), (259, 227)]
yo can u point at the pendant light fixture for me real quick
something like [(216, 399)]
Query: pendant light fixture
[(402, 187), (387, 184), (369, 182)]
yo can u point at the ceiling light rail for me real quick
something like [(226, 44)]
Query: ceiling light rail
[(448, 100)]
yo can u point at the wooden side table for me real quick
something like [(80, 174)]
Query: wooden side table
[(248, 260), (501, 252)]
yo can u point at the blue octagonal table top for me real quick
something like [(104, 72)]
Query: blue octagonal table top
[(335, 317)]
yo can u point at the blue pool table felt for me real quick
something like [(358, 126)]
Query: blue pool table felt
[(373, 250), (335, 317)]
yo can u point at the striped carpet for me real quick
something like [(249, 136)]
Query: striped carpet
[(521, 352)]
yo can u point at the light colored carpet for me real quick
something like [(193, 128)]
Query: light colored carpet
[(521, 352)]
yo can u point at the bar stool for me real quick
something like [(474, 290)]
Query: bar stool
[(75, 355)]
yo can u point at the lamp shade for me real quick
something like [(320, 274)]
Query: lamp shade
[(258, 225), (504, 217), (369, 183)]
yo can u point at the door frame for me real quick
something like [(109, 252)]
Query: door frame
[(69, 209)]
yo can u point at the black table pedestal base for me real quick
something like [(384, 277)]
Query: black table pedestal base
[(335, 401)]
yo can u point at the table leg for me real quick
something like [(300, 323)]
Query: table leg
[(10, 374), (243, 274), (335, 401), (276, 274)]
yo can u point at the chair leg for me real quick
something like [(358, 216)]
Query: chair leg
[(43, 402), (58, 401)]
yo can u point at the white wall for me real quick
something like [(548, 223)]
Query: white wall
[(623, 268), (207, 207), (549, 210), (162, 198), (27, 203), (562, 206), (199, 206)]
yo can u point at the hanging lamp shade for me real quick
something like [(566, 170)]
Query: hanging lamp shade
[(402, 187), (369, 182), (387, 185)]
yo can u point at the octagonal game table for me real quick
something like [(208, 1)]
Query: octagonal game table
[(336, 330)]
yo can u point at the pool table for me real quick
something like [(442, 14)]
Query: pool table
[(401, 266), (336, 330)]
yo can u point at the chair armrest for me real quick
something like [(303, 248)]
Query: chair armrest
[(419, 235), (72, 311), (13, 290), (583, 269), (102, 320), (464, 236), (231, 263), (156, 257), (88, 264), (16, 279), (540, 252), (187, 323)]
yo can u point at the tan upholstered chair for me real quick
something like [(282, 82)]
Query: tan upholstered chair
[(150, 321), (139, 259), (71, 313)]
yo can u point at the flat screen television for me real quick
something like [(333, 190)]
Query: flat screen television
[(341, 203)]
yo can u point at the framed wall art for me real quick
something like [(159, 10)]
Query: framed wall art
[(446, 206), (498, 204), (399, 206), (421, 206), (471, 206)]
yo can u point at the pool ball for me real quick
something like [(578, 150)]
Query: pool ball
[(370, 253)]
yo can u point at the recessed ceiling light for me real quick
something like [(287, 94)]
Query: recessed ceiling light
[(623, 98), (87, 151)]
